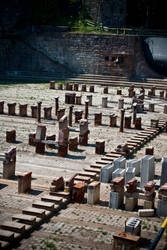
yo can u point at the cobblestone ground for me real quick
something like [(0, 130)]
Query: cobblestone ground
[(77, 226)]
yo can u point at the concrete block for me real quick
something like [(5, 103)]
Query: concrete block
[(116, 200), (106, 173), (145, 212), (119, 162), (130, 203), (93, 191)]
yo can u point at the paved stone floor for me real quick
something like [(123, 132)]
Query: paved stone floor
[(78, 226)]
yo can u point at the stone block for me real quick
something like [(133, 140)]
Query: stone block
[(130, 203), (162, 208), (23, 110), (149, 151), (89, 98), (31, 140), (76, 86), (60, 86), (9, 164), (63, 123), (52, 84), (119, 172), (70, 98), (11, 136), (165, 109), (105, 90), (163, 171), (133, 226), (128, 122), (151, 107), (40, 133), (100, 147), (83, 87), (104, 102), (115, 200), (11, 108), (73, 143), (58, 182), (48, 113), (62, 150), (121, 104), (147, 169), (92, 89), (40, 148), (113, 120), (106, 173), (60, 113), (119, 162), (98, 119), (34, 111), (78, 192), (148, 204), (138, 123), (83, 126), (93, 191), (136, 163), (78, 99), (129, 174), (1, 107), (145, 212), (78, 115), (24, 182)]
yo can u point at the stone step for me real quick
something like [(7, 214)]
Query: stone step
[(23, 218), (115, 156), (51, 198), (43, 205), (82, 179), (88, 174), (13, 226), (107, 159), (93, 170), (61, 194), (116, 153), (4, 244), (97, 165), (35, 212), (140, 138), (6, 235), (103, 162), (135, 141)]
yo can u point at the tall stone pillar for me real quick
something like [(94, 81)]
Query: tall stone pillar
[(70, 116), (56, 104), (134, 112), (39, 112), (86, 109), (122, 120)]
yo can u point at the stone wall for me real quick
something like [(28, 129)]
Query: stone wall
[(110, 13), (88, 53), (62, 54)]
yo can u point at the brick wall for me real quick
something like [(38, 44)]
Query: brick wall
[(61, 53), (89, 53)]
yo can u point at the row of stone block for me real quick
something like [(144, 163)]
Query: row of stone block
[(23, 110), (71, 87)]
